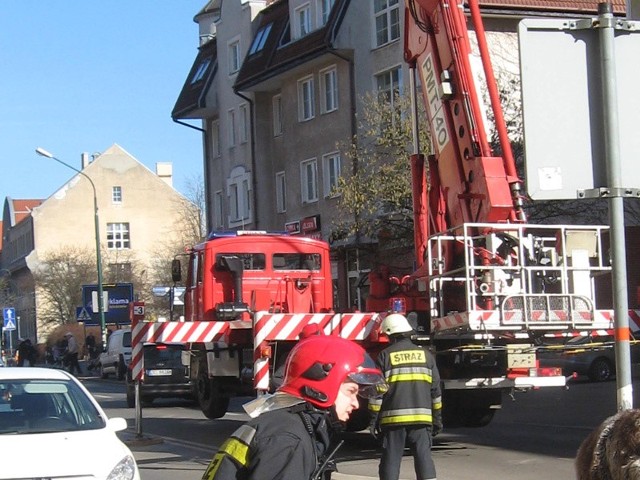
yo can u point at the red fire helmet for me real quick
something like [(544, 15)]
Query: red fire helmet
[(318, 365)]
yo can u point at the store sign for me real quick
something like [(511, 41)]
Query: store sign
[(310, 224), (292, 228)]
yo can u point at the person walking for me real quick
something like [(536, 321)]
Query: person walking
[(71, 357), (411, 410), (26, 353), (291, 435)]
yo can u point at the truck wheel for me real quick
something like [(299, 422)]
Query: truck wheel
[(211, 402), (121, 369), (131, 398), (601, 370), (478, 418)]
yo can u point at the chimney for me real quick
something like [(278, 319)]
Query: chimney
[(84, 160), (164, 170)]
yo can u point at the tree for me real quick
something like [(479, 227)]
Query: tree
[(59, 277), (375, 198)]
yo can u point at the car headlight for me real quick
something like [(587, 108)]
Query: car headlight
[(124, 470)]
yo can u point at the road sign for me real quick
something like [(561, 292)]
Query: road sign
[(9, 315), (82, 315)]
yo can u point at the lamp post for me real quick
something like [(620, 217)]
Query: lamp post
[(103, 327)]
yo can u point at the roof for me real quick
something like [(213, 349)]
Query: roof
[(20, 209), (278, 56), (279, 53), (191, 102), (588, 7)]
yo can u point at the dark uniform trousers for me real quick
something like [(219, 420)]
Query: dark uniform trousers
[(420, 441)]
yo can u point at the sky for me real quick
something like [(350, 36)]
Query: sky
[(80, 75)]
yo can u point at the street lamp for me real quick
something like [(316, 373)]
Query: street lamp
[(103, 327)]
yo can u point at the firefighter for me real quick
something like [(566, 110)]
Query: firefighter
[(292, 433), (411, 410)]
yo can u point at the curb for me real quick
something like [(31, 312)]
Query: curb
[(133, 440)]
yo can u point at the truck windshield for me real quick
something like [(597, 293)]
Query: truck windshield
[(296, 261)]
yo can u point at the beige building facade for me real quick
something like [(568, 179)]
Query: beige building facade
[(140, 215)]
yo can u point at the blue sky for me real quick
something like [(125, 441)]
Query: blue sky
[(80, 75)]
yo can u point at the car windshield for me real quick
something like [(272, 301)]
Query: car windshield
[(37, 406)]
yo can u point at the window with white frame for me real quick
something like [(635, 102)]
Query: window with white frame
[(118, 236), (281, 192), (116, 194), (389, 85), (243, 126), (234, 56), (303, 19), (215, 138), (306, 99), (324, 9), (387, 19), (276, 104), (331, 171), (329, 89), (231, 127), (309, 180), (218, 209), (239, 193)]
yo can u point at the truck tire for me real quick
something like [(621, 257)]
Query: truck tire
[(121, 368), (601, 370), (212, 403)]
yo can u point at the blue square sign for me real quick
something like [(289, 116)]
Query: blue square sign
[(9, 315)]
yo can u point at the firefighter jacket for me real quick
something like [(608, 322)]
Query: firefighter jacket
[(414, 396), (286, 444)]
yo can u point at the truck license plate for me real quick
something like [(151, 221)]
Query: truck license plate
[(160, 372)]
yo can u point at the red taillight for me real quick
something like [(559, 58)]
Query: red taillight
[(161, 347)]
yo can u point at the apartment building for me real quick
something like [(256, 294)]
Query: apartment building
[(140, 214), (279, 86)]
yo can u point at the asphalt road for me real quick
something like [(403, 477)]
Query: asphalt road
[(537, 433)]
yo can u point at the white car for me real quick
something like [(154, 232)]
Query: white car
[(56, 429), (117, 357)]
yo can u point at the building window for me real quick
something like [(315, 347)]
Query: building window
[(116, 194), (329, 89), (389, 85), (239, 193), (118, 237), (260, 39), (303, 19), (331, 170), (234, 56), (309, 180), (215, 138), (324, 9), (243, 126), (276, 103), (305, 99), (200, 71), (281, 192), (387, 19), (231, 126), (218, 209)]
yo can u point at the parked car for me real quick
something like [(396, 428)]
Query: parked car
[(115, 360), (593, 356), (165, 375), (52, 427)]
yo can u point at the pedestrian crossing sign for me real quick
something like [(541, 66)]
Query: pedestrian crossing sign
[(9, 315), (82, 315)]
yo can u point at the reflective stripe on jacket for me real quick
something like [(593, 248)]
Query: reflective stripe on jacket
[(414, 395)]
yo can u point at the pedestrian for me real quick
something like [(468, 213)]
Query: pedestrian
[(26, 353), (292, 433), (411, 410), (71, 356)]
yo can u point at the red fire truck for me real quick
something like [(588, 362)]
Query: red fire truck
[(487, 286)]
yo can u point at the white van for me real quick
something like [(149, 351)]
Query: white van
[(115, 360)]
